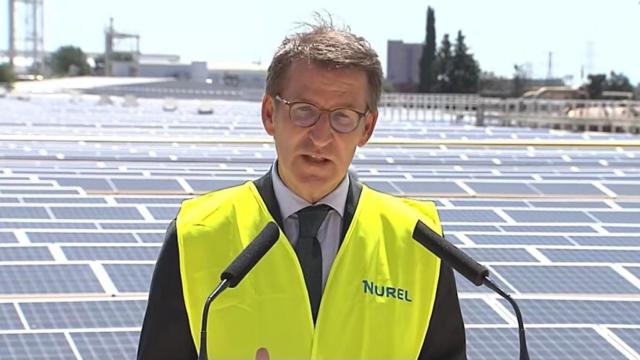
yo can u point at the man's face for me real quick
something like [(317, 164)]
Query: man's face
[(313, 160)]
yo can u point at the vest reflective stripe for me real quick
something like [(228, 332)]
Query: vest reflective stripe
[(376, 304)]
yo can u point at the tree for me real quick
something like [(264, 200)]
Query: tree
[(465, 69), (444, 66), (7, 75), (69, 60), (427, 61), (618, 82)]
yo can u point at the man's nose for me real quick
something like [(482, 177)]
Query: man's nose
[(321, 132)]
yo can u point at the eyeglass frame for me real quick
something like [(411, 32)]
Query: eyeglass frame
[(290, 104)]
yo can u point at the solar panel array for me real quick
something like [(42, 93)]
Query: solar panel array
[(86, 192)]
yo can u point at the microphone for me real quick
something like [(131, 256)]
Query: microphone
[(469, 268), (236, 271)]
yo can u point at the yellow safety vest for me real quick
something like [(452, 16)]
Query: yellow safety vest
[(376, 304)]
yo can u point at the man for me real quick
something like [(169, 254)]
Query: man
[(345, 279)]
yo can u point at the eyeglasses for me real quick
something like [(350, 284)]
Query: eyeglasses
[(342, 120)]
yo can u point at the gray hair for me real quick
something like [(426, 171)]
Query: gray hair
[(326, 45)]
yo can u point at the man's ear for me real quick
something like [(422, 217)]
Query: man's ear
[(268, 111), (370, 123)]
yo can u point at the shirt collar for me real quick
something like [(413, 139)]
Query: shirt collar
[(290, 203)]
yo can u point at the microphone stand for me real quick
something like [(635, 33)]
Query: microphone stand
[(222, 286), (524, 353)]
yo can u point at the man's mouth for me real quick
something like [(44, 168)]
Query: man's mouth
[(315, 158)]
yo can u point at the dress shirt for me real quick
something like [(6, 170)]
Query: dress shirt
[(329, 231)]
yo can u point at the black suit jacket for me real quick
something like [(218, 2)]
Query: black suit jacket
[(166, 333)]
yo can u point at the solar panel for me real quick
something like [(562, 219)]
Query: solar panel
[(476, 311), (80, 237), (88, 184), (83, 314), (35, 346), (624, 189), (211, 185), (630, 336), (501, 188), (147, 185), (106, 345), (111, 252), (595, 256), (97, 213), (489, 203), (149, 200), (475, 215), (151, 237), (546, 343), (619, 217), (9, 319), (7, 237), (134, 226), (413, 187), (8, 200), (130, 277), (568, 189), (593, 312), (562, 229), (628, 204), (23, 212), (48, 279), (606, 240), (634, 270), (499, 239), (468, 228), (24, 225), (163, 212), (566, 279), (41, 191), (384, 186), (623, 229), (495, 255), (24, 253), (570, 204), (540, 216)]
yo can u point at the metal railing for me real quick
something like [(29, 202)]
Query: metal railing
[(569, 114)]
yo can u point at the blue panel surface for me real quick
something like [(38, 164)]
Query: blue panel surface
[(415, 187), (595, 256), (556, 216), (501, 188), (617, 217), (48, 279), (151, 237), (23, 212), (149, 253), (7, 237), (503, 255), (97, 213), (80, 237), (469, 215), (130, 277), (142, 184), (592, 312), (163, 212), (606, 240), (35, 346), (211, 185), (88, 184), (84, 314), (107, 345), (476, 311), (568, 189), (631, 337), (566, 279), (9, 319), (561, 229), (24, 225), (517, 239), (25, 253), (548, 344)]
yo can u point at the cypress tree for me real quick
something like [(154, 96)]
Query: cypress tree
[(427, 61)]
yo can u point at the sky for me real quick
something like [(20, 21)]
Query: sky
[(599, 36)]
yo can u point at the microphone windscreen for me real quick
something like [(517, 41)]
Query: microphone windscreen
[(450, 254), (250, 256)]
